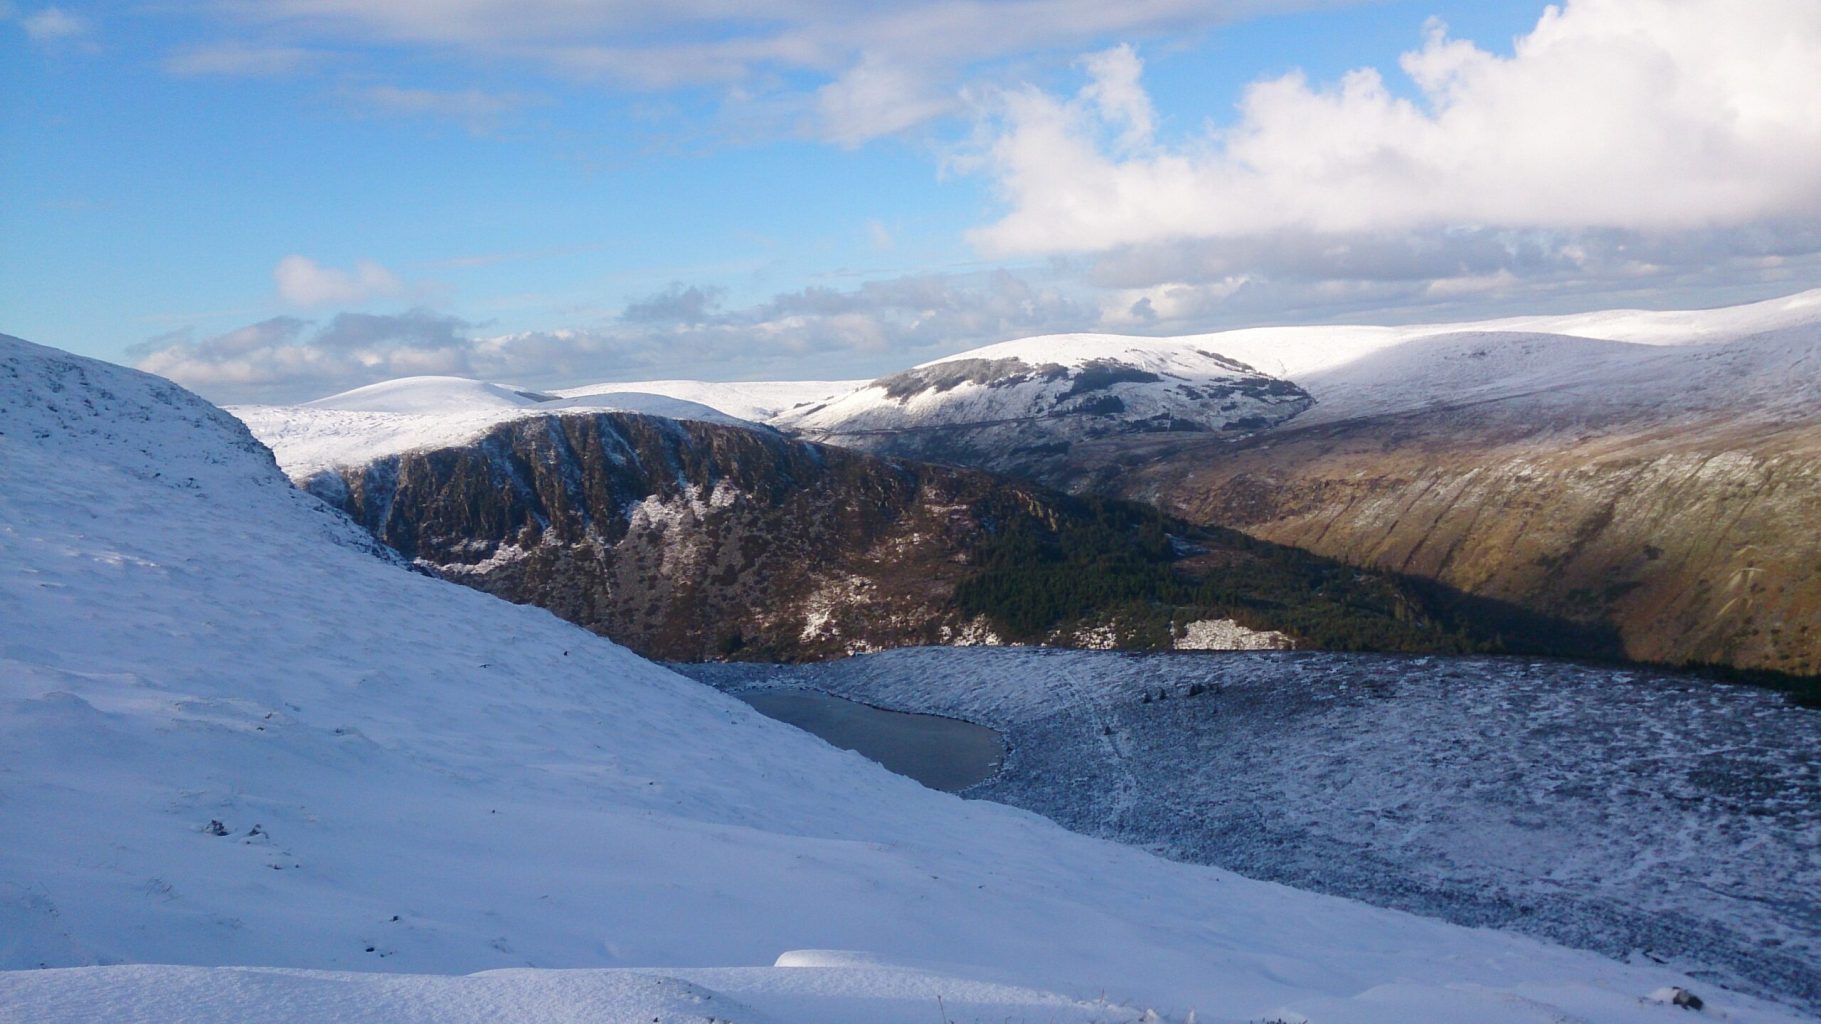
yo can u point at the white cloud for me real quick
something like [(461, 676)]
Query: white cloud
[(53, 24), (1118, 97), (1173, 302), (680, 330), (872, 68), (1631, 114), (877, 97), (283, 359), (304, 282)]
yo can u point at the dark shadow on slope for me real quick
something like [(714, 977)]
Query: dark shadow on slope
[(1112, 561)]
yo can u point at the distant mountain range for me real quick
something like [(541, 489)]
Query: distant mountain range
[(1654, 473)]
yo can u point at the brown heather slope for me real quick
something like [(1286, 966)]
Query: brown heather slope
[(1699, 541)]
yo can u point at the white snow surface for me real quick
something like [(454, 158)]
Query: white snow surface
[(419, 780), (419, 413), (1228, 635), (431, 394), (757, 401), (1696, 361), (1299, 351), (1027, 396)]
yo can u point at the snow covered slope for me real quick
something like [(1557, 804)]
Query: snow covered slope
[(1032, 408), (1298, 353), (232, 734), (431, 394), (747, 400), (418, 413), (1320, 358), (1003, 406)]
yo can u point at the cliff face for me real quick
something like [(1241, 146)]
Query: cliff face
[(694, 541), (1698, 541), (688, 540)]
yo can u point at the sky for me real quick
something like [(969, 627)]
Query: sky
[(274, 200)]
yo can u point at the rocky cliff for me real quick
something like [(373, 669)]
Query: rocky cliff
[(695, 540)]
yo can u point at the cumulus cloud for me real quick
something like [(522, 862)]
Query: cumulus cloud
[(53, 25), (676, 304), (1193, 285), (304, 282), (287, 358), (679, 331), (1646, 115)]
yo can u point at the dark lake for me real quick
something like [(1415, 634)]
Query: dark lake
[(942, 753)]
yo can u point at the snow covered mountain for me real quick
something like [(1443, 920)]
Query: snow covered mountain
[(1056, 386), (758, 401), (1633, 469), (1016, 406), (231, 732)]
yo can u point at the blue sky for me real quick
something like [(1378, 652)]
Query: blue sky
[(282, 199)]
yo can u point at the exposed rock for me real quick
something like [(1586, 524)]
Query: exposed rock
[(1228, 635), (1676, 995)]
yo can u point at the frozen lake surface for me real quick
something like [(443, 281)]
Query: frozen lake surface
[(942, 753), (1637, 813)]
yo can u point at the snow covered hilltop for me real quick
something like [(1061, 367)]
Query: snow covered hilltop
[(233, 732), (1020, 406)]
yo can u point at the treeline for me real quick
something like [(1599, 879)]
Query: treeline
[(1104, 560)]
